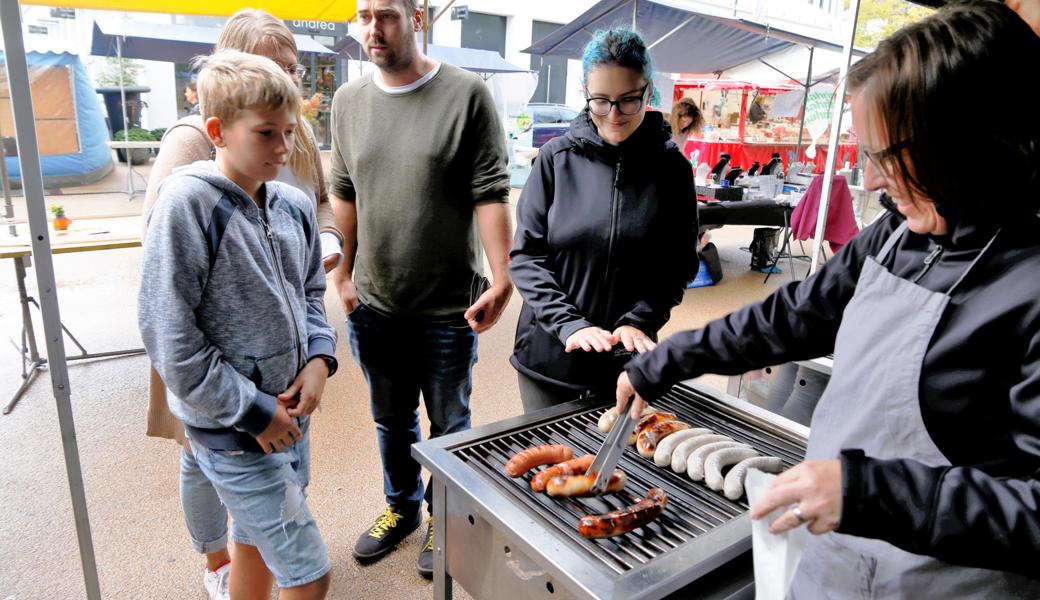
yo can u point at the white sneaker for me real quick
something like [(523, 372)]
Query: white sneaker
[(216, 583)]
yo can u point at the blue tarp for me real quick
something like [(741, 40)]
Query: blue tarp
[(166, 42), (681, 40), (94, 155), (470, 59)]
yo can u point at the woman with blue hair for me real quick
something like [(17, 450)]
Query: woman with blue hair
[(605, 238)]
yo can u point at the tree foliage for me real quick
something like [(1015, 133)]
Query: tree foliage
[(879, 19)]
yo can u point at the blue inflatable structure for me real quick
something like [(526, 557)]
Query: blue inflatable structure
[(94, 159)]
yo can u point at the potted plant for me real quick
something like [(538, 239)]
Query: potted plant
[(116, 81), (138, 156), (60, 222)]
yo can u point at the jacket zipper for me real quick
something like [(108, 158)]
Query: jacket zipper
[(610, 238), (285, 292), (929, 260)]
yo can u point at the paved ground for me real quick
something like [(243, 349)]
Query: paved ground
[(131, 480)]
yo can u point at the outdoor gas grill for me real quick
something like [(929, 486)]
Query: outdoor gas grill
[(501, 540)]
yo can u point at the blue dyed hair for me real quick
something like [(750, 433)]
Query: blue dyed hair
[(622, 47)]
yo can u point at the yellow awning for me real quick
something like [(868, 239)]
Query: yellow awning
[(321, 10)]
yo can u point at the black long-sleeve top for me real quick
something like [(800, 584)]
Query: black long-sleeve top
[(979, 389), (605, 236)]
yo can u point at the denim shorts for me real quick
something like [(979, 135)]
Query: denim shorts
[(266, 496)]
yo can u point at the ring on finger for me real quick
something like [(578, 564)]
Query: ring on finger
[(797, 512)]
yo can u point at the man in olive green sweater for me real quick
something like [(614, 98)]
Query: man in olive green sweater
[(418, 156)]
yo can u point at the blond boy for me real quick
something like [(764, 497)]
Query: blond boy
[(231, 313)]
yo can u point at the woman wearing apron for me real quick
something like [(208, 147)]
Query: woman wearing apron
[(921, 476)]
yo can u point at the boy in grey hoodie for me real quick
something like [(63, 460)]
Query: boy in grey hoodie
[(231, 312)]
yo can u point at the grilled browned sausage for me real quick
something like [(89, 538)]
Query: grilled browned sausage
[(575, 486), (525, 460), (649, 437), (571, 467), (649, 421), (625, 520)]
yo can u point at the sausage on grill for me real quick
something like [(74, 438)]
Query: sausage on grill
[(622, 521), (721, 459), (649, 437), (663, 454), (525, 460), (609, 418), (649, 421), (576, 466), (686, 447), (733, 486), (695, 464), (574, 486)]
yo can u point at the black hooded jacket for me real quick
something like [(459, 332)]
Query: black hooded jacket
[(606, 236), (979, 390)]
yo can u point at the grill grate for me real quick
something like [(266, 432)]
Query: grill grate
[(693, 509)]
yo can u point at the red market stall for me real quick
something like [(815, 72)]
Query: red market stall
[(733, 127)]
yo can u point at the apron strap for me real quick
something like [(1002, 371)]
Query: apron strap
[(891, 243), (973, 263)]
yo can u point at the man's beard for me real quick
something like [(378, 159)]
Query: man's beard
[(390, 59)]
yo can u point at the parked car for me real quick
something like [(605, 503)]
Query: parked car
[(549, 121)]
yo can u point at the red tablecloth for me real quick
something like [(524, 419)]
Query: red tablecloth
[(744, 155)]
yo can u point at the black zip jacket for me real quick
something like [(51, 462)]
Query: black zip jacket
[(979, 390), (606, 236)]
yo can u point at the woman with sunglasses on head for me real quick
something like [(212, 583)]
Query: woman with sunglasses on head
[(255, 32), (922, 476), (605, 237)]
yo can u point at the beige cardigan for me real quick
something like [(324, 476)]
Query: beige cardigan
[(182, 144)]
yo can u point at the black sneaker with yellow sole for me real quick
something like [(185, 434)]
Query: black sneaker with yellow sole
[(425, 562), (388, 530)]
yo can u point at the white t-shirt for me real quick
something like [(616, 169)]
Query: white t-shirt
[(377, 77)]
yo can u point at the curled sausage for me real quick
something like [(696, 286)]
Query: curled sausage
[(685, 448), (624, 520), (733, 486), (721, 459), (576, 466), (525, 460), (573, 486), (649, 421), (695, 464), (649, 437), (663, 454), (609, 417)]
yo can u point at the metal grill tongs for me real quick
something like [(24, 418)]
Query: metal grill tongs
[(613, 447)]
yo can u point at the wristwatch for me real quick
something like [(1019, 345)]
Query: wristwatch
[(330, 361)]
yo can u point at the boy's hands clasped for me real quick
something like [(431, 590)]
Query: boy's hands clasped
[(299, 400)]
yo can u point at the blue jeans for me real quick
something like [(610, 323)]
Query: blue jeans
[(204, 513), (400, 358), (266, 496)]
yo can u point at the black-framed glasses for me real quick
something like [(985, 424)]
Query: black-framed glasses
[(878, 158), (629, 105)]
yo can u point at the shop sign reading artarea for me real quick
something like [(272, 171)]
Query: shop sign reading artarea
[(330, 28)]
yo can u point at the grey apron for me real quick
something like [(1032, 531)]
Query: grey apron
[(872, 403)]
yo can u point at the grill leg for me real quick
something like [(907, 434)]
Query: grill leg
[(441, 578)]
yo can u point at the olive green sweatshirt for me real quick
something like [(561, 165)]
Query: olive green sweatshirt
[(417, 164)]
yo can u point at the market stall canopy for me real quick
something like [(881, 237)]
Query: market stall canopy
[(166, 42), (790, 64), (327, 10), (470, 59), (711, 81), (680, 37)]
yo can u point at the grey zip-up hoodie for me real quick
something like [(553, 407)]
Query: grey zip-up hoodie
[(231, 301)]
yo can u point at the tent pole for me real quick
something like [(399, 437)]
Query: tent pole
[(635, 6), (6, 182), (128, 153), (32, 187), (805, 101), (425, 26), (832, 144)]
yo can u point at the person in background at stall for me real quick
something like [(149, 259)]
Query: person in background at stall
[(191, 94), (686, 120), (237, 329), (256, 32), (605, 237), (921, 475), (419, 169), (756, 112)]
